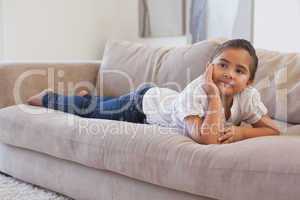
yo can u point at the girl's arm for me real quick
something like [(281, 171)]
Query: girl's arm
[(214, 120), (264, 127), (207, 130), (192, 125)]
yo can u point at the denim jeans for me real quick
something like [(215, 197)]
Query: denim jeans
[(123, 108)]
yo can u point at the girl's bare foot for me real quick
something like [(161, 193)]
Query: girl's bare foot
[(36, 100), (82, 93)]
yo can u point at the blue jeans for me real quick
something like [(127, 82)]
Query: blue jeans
[(123, 108)]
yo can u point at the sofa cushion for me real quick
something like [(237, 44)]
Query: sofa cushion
[(127, 65), (277, 79), (258, 168)]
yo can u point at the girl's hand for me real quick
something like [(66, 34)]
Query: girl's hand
[(232, 134), (209, 86)]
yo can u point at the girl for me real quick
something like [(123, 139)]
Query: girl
[(210, 109)]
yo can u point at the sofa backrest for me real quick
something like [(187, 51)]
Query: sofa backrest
[(126, 65), (278, 80), (20, 80)]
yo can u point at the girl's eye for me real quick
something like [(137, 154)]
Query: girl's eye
[(239, 71), (223, 65)]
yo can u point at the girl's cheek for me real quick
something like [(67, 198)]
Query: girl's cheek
[(244, 78)]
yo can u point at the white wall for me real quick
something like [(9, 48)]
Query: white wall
[(68, 29), (276, 25), (1, 32), (79, 29)]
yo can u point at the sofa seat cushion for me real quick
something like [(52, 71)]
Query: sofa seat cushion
[(258, 168)]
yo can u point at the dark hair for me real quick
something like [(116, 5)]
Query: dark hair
[(238, 44)]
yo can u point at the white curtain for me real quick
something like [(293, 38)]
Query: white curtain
[(198, 20), (215, 18), (221, 17)]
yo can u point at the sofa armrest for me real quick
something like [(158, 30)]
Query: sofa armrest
[(20, 80)]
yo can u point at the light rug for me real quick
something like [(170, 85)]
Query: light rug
[(12, 189)]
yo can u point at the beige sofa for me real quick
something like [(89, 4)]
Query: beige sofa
[(105, 159)]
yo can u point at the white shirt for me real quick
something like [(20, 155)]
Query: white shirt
[(168, 108)]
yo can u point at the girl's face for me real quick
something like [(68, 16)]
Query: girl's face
[(232, 71)]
